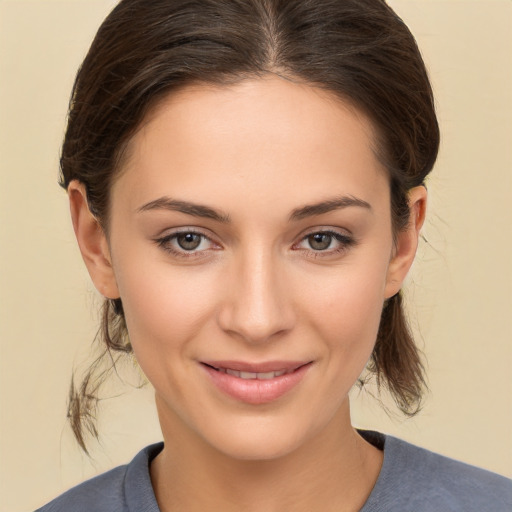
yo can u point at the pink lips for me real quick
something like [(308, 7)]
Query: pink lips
[(263, 382)]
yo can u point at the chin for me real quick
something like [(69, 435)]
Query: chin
[(261, 439), (257, 448)]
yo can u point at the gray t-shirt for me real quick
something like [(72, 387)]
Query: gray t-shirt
[(411, 479)]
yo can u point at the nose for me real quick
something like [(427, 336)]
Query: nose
[(257, 305)]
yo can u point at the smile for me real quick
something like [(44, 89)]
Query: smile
[(256, 383), (251, 375)]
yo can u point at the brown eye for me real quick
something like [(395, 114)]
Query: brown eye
[(188, 241), (320, 241), (187, 244)]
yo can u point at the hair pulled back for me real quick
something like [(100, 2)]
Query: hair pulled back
[(359, 50)]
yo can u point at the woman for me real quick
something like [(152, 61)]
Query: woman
[(246, 182)]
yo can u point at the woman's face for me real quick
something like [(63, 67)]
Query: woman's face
[(250, 235)]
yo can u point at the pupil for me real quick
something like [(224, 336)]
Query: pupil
[(320, 241), (189, 241)]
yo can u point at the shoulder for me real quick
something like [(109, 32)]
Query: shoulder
[(413, 478), (121, 489), (450, 482), (102, 493)]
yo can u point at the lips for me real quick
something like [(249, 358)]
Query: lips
[(252, 375), (256, 383)]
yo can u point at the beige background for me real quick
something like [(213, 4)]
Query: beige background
[(461, 283)]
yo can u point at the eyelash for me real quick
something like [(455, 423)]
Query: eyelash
[(344, 241), (165, 243)]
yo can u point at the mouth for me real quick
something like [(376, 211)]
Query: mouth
[(252, 375), (261, 371), (256, 383)]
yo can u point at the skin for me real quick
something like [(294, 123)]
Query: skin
[(255, 289)]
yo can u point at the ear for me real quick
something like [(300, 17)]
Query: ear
[(406, 242), (92, 242)]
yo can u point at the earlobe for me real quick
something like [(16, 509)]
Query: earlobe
[(92, 242), (406, 242)]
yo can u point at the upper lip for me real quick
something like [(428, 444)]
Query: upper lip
[(262, 367)]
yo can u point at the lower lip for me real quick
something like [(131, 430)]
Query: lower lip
[(255, 391)]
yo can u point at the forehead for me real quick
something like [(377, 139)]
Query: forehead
[(258, 135)]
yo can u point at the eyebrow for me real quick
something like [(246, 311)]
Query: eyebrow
[(197, 210), (327, 206)]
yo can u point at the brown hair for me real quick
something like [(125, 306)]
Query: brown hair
[(359, 50)]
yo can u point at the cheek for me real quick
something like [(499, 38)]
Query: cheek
[(345, 312), (351, 296), (165, 306)]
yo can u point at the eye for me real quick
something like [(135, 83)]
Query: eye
[(187, 243), (320, 241), (327, 242)]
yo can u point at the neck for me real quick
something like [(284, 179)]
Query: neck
[(336, 470)]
